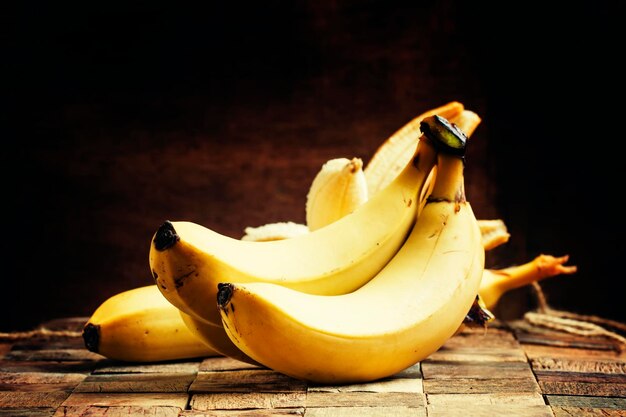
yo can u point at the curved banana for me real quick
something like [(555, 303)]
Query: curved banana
[(398, 318), (140, 325), (496, 282), (393, 154), (337, 190), (188, 260)]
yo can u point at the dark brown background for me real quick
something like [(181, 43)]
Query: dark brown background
[(116, 119)]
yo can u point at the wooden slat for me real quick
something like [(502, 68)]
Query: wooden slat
[(221, 363), (476, 354), (274, 412), (248, 400), (480, 386), (155, 382), (586, 401), (260, 380), (491, 411), (364, 399), (452, 400), (414, 371), (25, 399), (587, 412), (384, 385), (491, 338), (564, 352), (575, 383), (395, 411), (54, 367), (53, 355), (74, 324), (477, 370), (146, 400), (148, 368), (570, 365), (39, 381), (124, 411), (27, 412)]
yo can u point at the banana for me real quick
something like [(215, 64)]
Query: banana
[(406, 312), (337, 190), (188, 260), (496, 282), (392, 155), (140, 325)]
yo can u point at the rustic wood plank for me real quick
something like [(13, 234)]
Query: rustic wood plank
[(578, 383), (41, 399), (37, 381), (452, 400), (383, 385), (27, 412), (364, 399), (476, 354), (490, 338), (223, 363), (187, 367), (85, 367), (586, 401), (563, 352), (274, 412), (394, 411), (155, 382), (570, 365), (491, 410), (261, 380), (247, 400), (480, 386), (124, 411), (73, 324), (53, 355), (528, 334), (587, 412), (478, 370), (4, 349), (146, 400), (49, 342)]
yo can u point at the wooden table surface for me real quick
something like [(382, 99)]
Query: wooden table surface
[(504, 370)]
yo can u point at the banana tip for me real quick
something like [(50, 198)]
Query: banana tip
[(224, 294), (165, 237), (91, 337)]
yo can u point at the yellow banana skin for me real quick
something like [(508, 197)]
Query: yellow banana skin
[(406, 312), (188, 260), (140, 325)]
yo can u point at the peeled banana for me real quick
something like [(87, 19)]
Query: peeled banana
[(406, 312), (337, 190), (140, 325), (188, 260)]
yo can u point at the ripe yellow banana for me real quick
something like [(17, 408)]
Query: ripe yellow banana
[(406, 312), (337, 190), (188, 260), (140, 325), (497, 282)]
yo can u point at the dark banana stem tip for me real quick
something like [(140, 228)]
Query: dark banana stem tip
[(445, 136), (224, 293), (91, 337), (165, 237)]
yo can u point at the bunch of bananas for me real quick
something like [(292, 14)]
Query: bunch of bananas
[(388, 266)]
